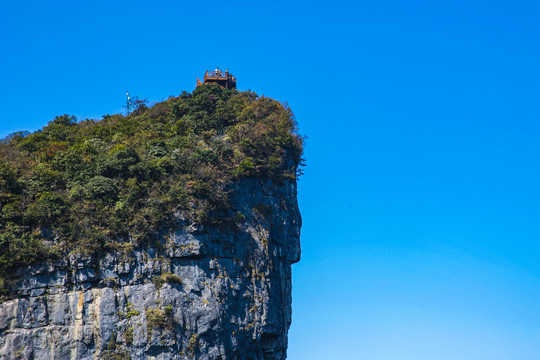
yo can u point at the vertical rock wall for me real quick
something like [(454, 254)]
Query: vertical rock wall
[(201, 293)]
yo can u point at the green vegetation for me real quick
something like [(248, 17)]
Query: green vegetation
[(166, 278), (263, 209), (128, 335), (114, 351), (193, 345), (19, 354), (94, 185), (131, 312), (157, 318)]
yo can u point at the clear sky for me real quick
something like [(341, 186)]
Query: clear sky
[(420, 201)]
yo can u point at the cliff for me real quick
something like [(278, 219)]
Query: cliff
[(202, 294), (211, 280)]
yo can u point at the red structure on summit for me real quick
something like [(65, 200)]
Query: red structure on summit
[(222, 78)]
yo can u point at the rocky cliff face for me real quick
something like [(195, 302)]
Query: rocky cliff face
[(200, 293)]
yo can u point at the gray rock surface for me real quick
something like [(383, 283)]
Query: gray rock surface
[(201, 293)]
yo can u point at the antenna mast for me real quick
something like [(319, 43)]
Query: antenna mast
[(128, 103)]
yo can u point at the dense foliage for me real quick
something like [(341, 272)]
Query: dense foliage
[(91, 185)]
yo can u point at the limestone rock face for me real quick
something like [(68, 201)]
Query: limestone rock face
[(201, 293)]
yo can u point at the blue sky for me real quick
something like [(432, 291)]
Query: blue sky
[(420, 200)]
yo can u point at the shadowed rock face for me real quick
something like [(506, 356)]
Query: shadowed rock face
[(207, 293)]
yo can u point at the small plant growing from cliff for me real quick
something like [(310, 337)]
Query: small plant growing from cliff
[(117, 354), (109, 282), (263, 209), (19, 354), (114, 352), (166, 278), (239, 217), (128, 335), (157, 318), (131, 312), (193, 345)]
